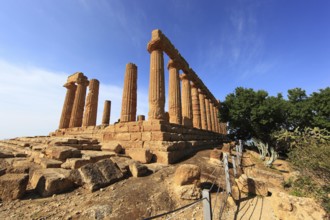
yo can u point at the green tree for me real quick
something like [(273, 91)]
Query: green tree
[(320, 108)]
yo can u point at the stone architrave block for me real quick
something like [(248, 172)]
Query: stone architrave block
[(13, 186), (75, 163), (140, 154)]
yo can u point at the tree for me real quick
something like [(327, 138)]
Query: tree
[(320, 108), (253, 114)]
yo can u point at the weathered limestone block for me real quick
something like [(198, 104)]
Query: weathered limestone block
[(98, 175), (129, 98), (4, 153), (123, 163), (113, 146), (123, 136), (253, 186), (90, 113), (49, 163), (48, 182), (106, 112), (187, 174), (95, 156), (137, 169), (140, 154), (75, 163), (13, 186), (174, 100), (62, 152), (136, 136)]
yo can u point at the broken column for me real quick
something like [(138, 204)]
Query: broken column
[(106, 112), (186, 101), (174, 97), (195, 106), (129, 99), (91, 103), (156, 82), (67, 106), (208, 114), (79, 103), (202, 110)]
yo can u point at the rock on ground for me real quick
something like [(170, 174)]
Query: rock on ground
[(13, 186), (187, 174), (51, 181)]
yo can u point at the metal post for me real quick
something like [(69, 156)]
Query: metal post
[(237, 149), (234, 165), (207, 204), (225, 161)]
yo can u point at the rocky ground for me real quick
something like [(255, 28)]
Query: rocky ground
[(136, 191)]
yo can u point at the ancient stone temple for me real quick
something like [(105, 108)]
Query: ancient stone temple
[(190, 124)]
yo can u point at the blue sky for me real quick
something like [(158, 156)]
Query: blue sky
[(273, 45)]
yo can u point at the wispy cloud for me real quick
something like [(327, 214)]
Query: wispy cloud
[(239, 45), (32, 98)]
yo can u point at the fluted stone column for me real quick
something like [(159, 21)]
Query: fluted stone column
[(156, 85), (106, 112), (208, 114), (215, 118), (195, 107), (202, 110), (212, 115), (187, 115), (79, 103), (91, 103), (128, 106), (174, 93), (67, 106)]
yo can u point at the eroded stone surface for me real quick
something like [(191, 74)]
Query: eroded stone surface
[(13, 186), (187, 174)]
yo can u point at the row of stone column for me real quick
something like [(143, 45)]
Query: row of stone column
[(192, 109)]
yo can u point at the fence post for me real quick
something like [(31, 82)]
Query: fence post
[(207, 210), (234, 165), (225, 161)]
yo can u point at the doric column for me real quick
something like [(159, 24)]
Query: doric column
[(106, 112), (212, 115), (202, 110), (79, 103), (215, 118), (128, 105), (208, 114), (174, 93), (156, 85), (195, 106), (90, 113), (187, 115), (67, 106)]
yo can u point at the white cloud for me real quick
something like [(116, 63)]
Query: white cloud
[(32, 98)]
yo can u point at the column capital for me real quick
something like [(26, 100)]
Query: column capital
[(194, 85), (69, 85), (184, 76), (173, 64), (83, 81)]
